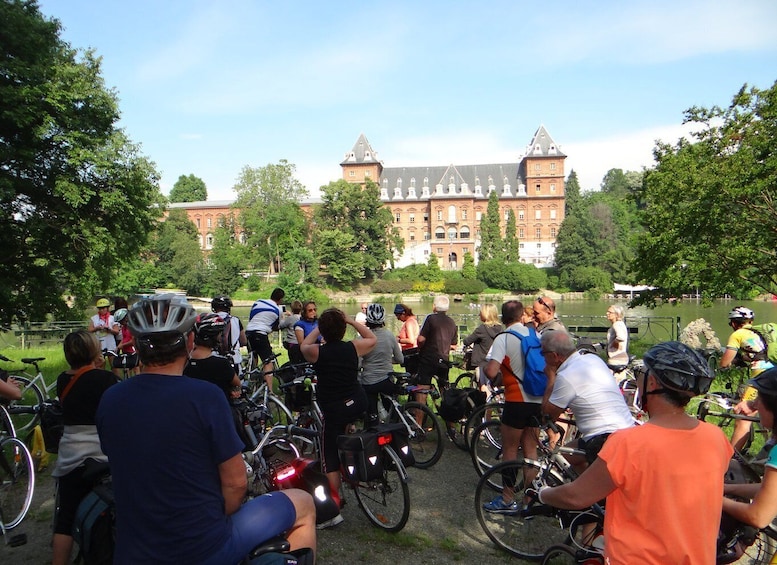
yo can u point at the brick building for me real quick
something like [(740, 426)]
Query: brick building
[(438, 209)]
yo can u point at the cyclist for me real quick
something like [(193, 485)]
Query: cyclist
[(79, 390), (178, 474), (617, 340), (222, 305), (290, 342), (521, 412), (378, 363), (481, 340), (660, 479), (129, 358), (205, 362), (408, 336), (104, 325), (263, 319), (745, 348), (545, 315), (763, 508), (340, 396)]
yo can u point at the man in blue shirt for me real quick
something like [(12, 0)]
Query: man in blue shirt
[(178, 474), (263, 319)]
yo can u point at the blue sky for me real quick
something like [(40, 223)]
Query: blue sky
[(207, 88)]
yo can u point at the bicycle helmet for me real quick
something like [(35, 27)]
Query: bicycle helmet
[(376, 315), (103, 303), (678, 367), (741, 313), (208, 329), (120, 314), (221, 303), (161, 314), (766, 382)]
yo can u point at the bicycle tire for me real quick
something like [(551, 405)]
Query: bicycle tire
[(31, 396), (763, 550), (467, 379), (525, 538), (386, 501), (567, 555), (6, 425), (486, 446), (426, 439), (478, 416), (17, 481), (279, 412)]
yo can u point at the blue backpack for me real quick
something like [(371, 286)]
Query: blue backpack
[(534, 378)]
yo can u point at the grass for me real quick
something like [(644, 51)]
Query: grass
[(53, 364)]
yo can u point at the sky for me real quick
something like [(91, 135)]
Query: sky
[(208, 88)]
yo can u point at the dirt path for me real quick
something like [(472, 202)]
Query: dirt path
[(442, 526)]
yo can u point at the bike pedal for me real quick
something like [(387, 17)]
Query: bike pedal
[(17, 540)]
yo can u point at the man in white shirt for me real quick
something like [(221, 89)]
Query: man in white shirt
[(264, 318)]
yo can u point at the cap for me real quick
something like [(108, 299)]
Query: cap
[(766, 382), (399, 309)]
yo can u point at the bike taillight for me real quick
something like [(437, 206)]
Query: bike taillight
[(281, 471), (384, 439)]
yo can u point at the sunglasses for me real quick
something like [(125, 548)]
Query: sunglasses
[(541, 301)]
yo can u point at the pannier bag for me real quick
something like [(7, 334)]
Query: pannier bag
[(360, 455), (93, 528), (458, 403), (52, 424), (400, 441)]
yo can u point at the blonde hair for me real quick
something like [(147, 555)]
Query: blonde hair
[(489, 315)]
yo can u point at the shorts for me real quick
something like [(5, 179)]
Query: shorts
[(125, 361), (71, 490), (260, 345), (427, 369), (592, 446), (520, 415)]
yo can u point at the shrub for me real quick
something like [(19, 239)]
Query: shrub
[(464, 286)]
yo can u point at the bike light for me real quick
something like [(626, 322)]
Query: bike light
[(384, 439), (321, 493), (286, 473)]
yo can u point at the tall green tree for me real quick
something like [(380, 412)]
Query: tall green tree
[(709, 210), (272, 220), (188, 189), (177, 254), (512, 251), (77, 198), (226, 260), (571, 193), (490, 232), (367, 241)]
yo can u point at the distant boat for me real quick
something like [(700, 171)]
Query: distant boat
[(458, 297)]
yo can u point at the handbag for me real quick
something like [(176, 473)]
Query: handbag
[(52, 419)]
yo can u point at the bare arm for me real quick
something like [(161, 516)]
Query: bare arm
[(593, 485), (234, 483), (368, 341), (727, 358), (762, 510), (492, 369), (10, 389), (308, 346)]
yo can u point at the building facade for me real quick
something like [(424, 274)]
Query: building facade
[(438, 209)]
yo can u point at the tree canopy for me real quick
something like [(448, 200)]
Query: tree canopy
[(188, 189), (76, 196), (709, 204)]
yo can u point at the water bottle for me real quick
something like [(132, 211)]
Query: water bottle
[(382, 412)]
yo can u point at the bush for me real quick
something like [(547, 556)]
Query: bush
[(253, 283), (392, 286), (464, 286), (518, 277)]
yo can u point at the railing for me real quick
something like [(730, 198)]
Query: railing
[(46, 332)]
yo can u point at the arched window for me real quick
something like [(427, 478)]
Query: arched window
[(439, 233)]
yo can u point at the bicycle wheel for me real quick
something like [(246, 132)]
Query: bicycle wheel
[(386, 501), (489, 411), (31, 396), (466, 380), (6, 426), (486, 446), (426, 438), (279, 412), (17, 481), (527, 538), (567, 555)]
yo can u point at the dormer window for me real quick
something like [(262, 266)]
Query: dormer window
[(367, 155)]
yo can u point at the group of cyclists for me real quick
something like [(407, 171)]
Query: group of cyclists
[(174, 447)]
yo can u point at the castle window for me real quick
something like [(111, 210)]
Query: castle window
[(552, 187), (520, 214), (366, 173), (553, 166), (397, 217), (538, 233), (552, 214), (351, 174), (537, 167), (520, 233), (538, 214), (439, 215), (412, 218), (439, 233), (552, 232), (537, 188), (426, 216)]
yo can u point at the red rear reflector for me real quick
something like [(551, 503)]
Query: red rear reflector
[(384, 439)]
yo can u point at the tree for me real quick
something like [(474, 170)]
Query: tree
[(272, 220), (188, 189), (177, 253), (468, 269), (709, 206), (512, 251), (77, 198), (571, 193), (490, 233), (226, 260), (355, 211)]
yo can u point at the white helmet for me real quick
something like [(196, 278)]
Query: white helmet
[(741, 313), (376, 315)]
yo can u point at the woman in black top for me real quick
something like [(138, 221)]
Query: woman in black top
[(79, 390), (205, 362), (340, 396)]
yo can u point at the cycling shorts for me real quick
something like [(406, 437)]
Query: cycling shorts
[(260, 344), (428, 369), (592, 446), (520, 415)]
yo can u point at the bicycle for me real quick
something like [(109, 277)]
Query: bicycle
[(717, 408), (385, 500), (34, 392), (126, 372), (17, 482), (528, 532), (426, 437)]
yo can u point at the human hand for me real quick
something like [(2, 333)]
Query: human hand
[(745, 407)]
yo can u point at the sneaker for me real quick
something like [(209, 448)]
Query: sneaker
[(499, 506), (451, 434), (330, 523)]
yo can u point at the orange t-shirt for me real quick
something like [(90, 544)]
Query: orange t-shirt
[(669, 494)]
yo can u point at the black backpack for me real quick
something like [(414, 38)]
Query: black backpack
[(94, 526), (459, 402)]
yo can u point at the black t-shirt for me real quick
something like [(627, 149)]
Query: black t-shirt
[(337, 370), (214, 369), (440, 332), (80, 404)]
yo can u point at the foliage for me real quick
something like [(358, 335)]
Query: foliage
[(188, 189), (512, 251), (464, 286), (226, 260), (272, 220), (429, 272), (490, 234), (354, 235), (709, 206), (511, 276), (176, 252), (571, 193), (587, 278), (392, 286), (76, 196), (468, 268)]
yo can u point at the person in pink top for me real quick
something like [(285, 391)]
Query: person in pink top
[(663, 480)]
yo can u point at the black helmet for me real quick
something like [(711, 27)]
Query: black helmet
[(766, 382), (221, 303), (208, 329), (161, 314), (678, 367)]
